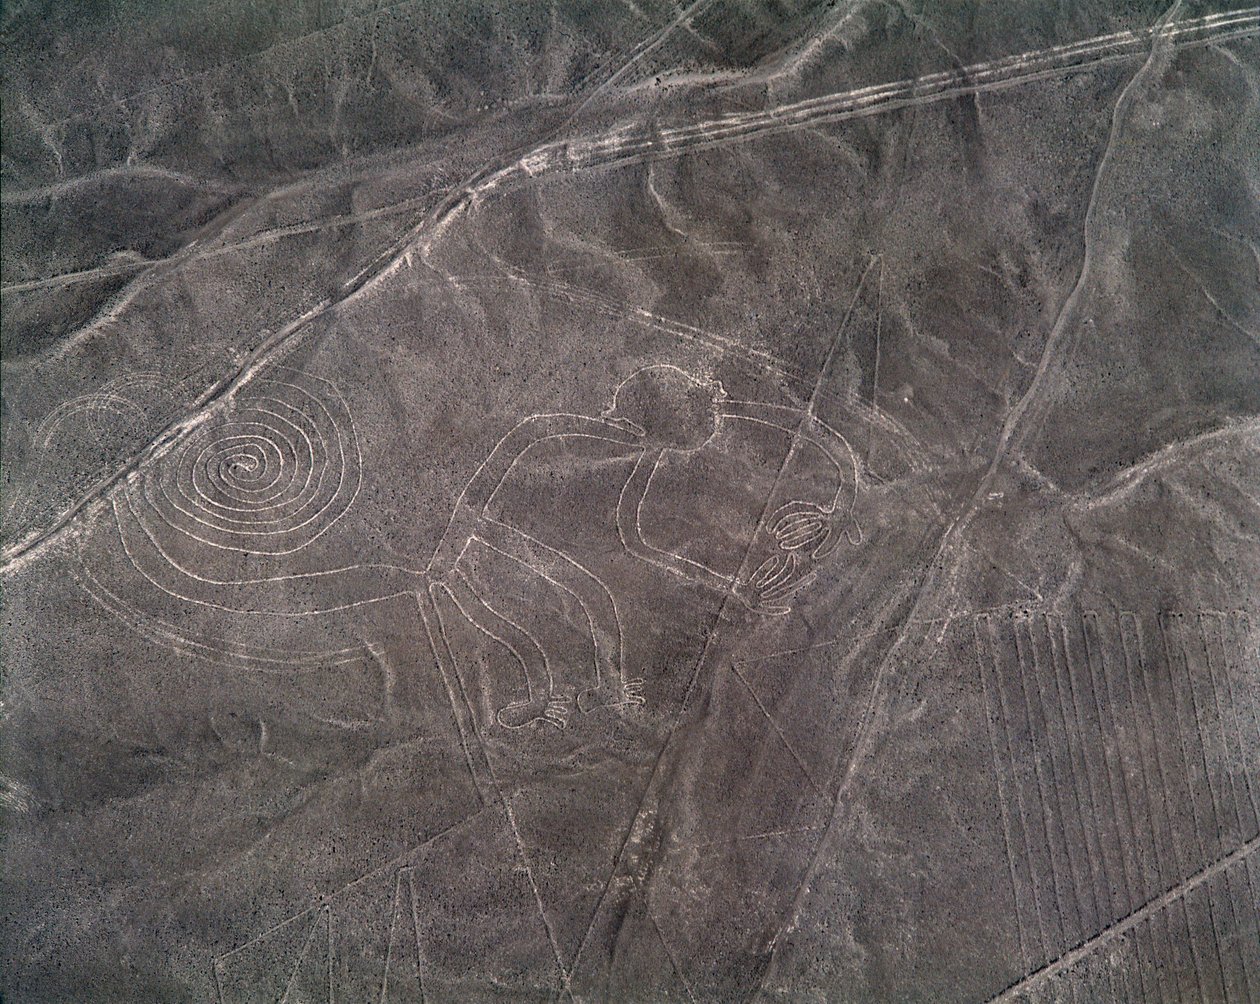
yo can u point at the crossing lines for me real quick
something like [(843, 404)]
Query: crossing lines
[(1124, 747)]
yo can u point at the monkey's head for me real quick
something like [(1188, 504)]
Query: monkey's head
[(668, 406)]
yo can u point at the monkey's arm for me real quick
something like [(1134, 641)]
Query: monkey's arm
[(628, 528), (800, 427), (471, 507), (541, 703)]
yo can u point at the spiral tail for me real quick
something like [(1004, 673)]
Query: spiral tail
[(274, 474)]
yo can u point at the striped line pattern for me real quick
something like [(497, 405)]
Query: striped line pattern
[(1126, 753)]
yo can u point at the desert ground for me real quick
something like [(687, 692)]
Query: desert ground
[(630, 501)]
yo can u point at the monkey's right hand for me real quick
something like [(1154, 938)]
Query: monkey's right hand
[(804, 526)]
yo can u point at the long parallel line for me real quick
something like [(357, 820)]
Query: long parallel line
[(1234, 657), (608, 148), (1199, 734), (1025, 67), (1158, 865), (1141, 821), (1236, 712), (1178, 864), (1223, 767), (1256, 907), (1223, 669), (1238, 983), (1247, 710), (1103, 796), (1124, 973), (1180, 729), (1106, 756), (1096, 653), (993, 717), (1211, 841), (1019, 796), (1056, 919), (1106, 907), (1059, 778), (1071, 741), (1125, 924)]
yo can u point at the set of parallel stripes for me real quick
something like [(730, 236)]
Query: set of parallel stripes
[(1127, 970), (1126, 750)]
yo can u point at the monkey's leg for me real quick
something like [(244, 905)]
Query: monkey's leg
[(542, 704), (610, 685)]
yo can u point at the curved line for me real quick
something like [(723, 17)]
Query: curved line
[(304, 495), (183, 468), (353, 469), (795, 433), (619, 663), (185, 598), (638, 521), (640, 549), (180, 470), (460, 503), (270, 578), (529, 690), (162, 634), (84, 403)]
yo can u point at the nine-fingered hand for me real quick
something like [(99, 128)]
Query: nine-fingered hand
[(803, 532), (551, 709), (610, 696)]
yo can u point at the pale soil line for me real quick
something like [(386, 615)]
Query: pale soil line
[(1125, 924), (399, 254), (933, 586)]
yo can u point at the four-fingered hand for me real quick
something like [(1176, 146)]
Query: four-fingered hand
[(552, 709), (803, 532)]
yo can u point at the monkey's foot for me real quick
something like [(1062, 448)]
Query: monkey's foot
[(552, 709), (608, 695)]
